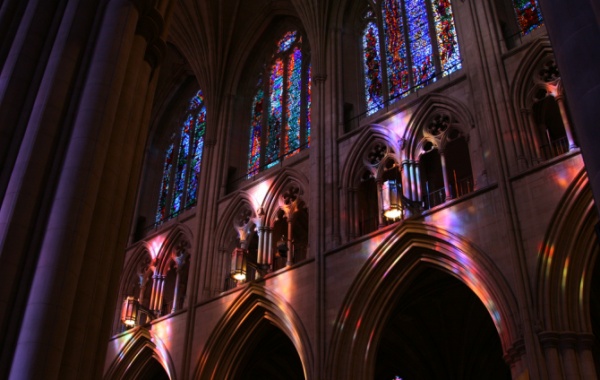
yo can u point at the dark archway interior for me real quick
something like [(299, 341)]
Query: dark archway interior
[(439, 329), (271, 355), (153, 370)]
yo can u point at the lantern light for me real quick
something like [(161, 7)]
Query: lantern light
[(129, 311), (392, 208), (238, 265)]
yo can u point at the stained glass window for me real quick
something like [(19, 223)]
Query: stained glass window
[(529, 15), (183, 158), (372, 66), (446, 36), (294, 103), (308, 103), (420, 45), (280, 115), (396, 56), (255, 130), (165, 185)]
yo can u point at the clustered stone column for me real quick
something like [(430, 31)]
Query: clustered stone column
[(77, 87)]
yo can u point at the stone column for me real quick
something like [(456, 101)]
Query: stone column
[(53, 304), (585, 357), (417, 179), (179, 259), (24, 54), (447, 188), (549, 342), (381, 222), (406, 185), (261, 244), (535, 144), (290, 246), (560, 100)]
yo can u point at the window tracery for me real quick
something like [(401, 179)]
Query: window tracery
[(419, 42), (280, 116), (182, 163)]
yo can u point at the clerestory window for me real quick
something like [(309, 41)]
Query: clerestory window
[(183, 159), (407, 44), (529, 15), (280, 116)]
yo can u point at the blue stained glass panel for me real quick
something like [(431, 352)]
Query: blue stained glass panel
[(372, 67), (275, 114), (180, 176), (423, 67), (286, 41), (196, 161), (308, 103), (165, 185)]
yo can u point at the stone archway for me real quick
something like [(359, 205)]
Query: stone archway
[(438, 328), (269, 354), (391, 271)]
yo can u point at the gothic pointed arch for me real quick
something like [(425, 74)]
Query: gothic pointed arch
[(369, 137), (283, 179), (137, 352), (163, 285), (253, 307), (410, 248), (521, 83), (441, 139), (242, 202), (178, 238), (542, 111), (136, 277), (435, 103), (282, 182), (237, 229), (285, 218), (375, 157), (566, 261)]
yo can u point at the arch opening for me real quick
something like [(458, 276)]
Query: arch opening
[(152, 370), (270, 354), (438, 328)]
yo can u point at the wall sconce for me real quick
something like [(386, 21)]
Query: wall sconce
[(131, 309), (239, 263), (391, 203)]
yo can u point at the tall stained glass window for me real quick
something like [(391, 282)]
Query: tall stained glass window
[(183, 158), (529, 15), (280, 113), (419, 45)]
